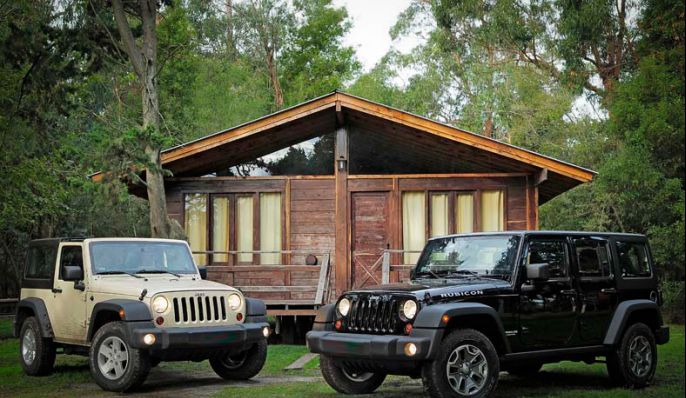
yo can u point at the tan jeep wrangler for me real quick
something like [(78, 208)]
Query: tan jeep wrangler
[(129, 304)]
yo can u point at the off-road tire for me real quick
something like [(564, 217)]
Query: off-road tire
[(524, 369), (136, 369), (434, 373), (44, 358), (250, 366), (618, 361), (337, 378)]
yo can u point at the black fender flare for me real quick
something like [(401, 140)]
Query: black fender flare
[(621, 317), (37, 307), (255, 311), (133, 311), (431, 317), (325, 318)]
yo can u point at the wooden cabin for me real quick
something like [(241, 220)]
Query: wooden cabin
[(354, 212)]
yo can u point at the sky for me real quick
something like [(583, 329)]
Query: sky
[(371, 21)]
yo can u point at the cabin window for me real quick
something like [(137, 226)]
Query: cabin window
[(414, 225), (196, 225), (244, 228), (440, 222), (220, 228), (492, 211), (464, 213), (238, 224), (270, 227)]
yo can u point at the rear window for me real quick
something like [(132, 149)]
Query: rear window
[(41, 262), (633, 259)]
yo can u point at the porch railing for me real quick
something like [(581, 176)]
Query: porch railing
[(277, 284)]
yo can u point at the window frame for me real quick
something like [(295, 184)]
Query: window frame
[(60, 255), (233, 230), (610, 258), (568, 255), (647, 252)]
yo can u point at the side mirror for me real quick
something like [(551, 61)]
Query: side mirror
[(203, 272), (538, 272), (412, 273), (72, 273)]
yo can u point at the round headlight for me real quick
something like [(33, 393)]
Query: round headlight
[(160, 304), (344, 306), (410, 309), (234, 301)]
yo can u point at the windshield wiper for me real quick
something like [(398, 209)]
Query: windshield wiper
[(157, 271), (428, 271), (465, 272), (118, 273)]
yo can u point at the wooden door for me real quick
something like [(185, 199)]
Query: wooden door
[(370, 236)]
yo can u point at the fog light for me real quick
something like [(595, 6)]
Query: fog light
[(410, 349), (265, 331), (149, 339)]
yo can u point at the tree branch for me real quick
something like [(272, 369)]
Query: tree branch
[(127, 39)]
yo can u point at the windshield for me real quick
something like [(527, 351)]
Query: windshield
[(141, 257), (469, 256)]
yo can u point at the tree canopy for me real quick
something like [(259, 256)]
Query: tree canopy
[(598, 83)]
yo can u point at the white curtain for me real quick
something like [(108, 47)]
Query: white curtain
[(244, 228), (439, 215), (270, 227), (464, 213), (220, 229), (414, 224), (492, 211), (195, 220)]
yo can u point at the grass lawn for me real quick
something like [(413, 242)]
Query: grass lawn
[(566, 379)]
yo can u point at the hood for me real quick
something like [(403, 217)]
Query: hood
[(125, 285), (441, 288)]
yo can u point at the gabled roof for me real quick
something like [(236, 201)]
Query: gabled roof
[(312, 118)]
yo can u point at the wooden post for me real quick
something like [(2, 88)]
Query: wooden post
[(386, 268), (342, 248)]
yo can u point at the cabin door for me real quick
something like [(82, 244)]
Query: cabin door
[(370, 236)]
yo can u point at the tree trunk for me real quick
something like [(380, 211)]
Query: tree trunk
[(274, 77), (230, 43), (144, 62)]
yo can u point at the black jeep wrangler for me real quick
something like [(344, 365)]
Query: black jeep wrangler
[(483, 303)]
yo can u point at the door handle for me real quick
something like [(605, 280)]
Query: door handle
[(57, 290), (569, 292), (609, 290)]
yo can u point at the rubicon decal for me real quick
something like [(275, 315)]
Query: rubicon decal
[(464, 294)]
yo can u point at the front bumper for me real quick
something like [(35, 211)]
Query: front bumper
[(209, 337), (368, 346)]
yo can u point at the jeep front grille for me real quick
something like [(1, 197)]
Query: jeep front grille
[(376, 314), (200, 309)]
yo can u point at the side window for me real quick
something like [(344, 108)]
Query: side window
[(71, 256), (41, 262), (633, 259), (592, 257), (552, 252)]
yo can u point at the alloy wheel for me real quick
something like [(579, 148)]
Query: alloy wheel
[(113, 358), (467, 370), (640, 356)]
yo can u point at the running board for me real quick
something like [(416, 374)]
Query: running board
[(556, 353)]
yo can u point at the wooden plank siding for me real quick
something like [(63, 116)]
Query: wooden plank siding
[(314, 219)]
